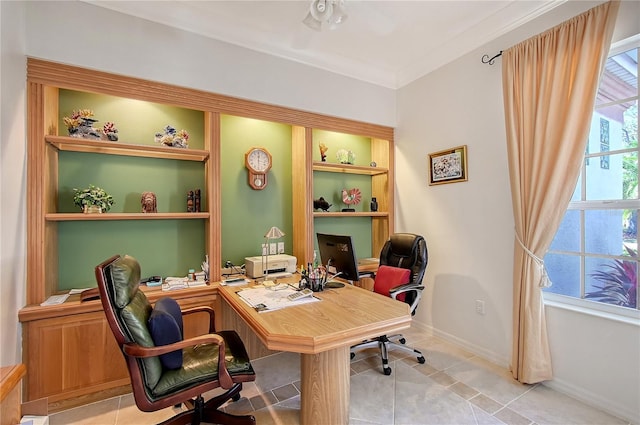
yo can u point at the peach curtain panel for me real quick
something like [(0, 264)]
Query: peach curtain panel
[(549, 83)]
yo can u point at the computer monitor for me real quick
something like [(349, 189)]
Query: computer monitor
[(338, 255)]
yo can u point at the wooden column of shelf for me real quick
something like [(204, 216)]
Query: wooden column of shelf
[(302, 187)]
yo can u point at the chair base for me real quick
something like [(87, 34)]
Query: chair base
[(201, 411), (385, 342)]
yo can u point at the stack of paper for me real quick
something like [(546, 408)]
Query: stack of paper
[(266, 299)]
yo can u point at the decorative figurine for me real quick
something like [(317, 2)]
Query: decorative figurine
[(148, 202), (171, 137), (374, 204), (321, 204), (323, 152), (345, 156), (109, 129), (190, 201), (196, 200), (351, 197), (80, 125)]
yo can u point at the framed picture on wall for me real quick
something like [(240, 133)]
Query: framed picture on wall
[(448, 166)]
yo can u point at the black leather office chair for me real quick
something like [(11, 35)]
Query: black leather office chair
[(403, 261), (165, 369)]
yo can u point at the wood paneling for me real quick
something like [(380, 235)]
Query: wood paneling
[(71, 355)]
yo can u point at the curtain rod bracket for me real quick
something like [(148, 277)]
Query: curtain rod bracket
[(486, 59)]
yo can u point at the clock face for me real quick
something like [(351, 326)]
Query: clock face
[(259, 160)]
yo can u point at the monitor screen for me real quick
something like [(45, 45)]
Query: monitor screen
[(338, 255)]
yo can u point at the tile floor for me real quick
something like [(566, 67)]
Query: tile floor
[(452, 387)]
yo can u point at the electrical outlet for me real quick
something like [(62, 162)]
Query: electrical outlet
[(480, 307), (273, 248), (280, 247)]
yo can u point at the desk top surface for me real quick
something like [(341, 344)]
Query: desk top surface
[(344, 316)]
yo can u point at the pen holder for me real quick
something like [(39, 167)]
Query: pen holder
[(315, 284)]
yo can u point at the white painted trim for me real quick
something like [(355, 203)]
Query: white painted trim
[(591, 308), (593, 399), (488, 355)]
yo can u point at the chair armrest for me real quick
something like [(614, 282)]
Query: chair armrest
[(203, 309), (136, 350), (408, 287), (224, 377)]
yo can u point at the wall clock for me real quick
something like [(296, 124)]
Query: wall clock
[(258, 162)]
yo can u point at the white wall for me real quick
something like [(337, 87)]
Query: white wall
[(12, 179), (469, 226)]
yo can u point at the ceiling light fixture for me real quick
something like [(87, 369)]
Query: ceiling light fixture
[(331, 12)]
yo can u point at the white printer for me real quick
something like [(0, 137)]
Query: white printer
[(277, 263)]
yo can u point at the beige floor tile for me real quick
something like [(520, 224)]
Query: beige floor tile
[(452, 387)]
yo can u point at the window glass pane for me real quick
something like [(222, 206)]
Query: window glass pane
[(604, 179), (603, 231), (564, 272), (577, 192), (568, 235), (611, 281)]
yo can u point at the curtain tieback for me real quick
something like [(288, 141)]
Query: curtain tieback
[(545, 282)]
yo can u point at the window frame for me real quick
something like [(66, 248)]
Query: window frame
[(586, 306)]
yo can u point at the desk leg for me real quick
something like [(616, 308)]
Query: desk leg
[(325, 387)]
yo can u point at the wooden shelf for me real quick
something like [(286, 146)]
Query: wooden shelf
[(73, 144), (74, 306), (348, 169), (124, 216), (350, 214)]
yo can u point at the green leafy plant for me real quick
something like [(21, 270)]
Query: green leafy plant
[(619, 282), (93, 195)]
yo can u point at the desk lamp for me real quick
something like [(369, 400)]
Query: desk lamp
[(273, 233)]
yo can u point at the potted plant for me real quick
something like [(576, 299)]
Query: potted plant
[(92, 199)]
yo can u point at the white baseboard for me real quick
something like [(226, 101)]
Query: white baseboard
[(488, 355), (595, 400)]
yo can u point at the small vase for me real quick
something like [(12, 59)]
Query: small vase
[(374, 204), (92, 209)]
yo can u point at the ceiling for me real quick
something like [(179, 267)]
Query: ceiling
[(387, 43)]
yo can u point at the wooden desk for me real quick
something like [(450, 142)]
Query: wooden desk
[(322, 333)]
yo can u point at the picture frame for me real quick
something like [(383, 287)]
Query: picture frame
[(448, 166)]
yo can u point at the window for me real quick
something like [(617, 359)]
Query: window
[(594, 255)]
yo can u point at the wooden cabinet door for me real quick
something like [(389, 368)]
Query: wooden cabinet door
[(71, 356)]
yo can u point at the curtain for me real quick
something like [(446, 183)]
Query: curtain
[(549, 83)]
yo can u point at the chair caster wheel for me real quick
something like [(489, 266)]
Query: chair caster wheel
[(352, 355), (402, 341), (387, 371), (421, 360), (236, 397)]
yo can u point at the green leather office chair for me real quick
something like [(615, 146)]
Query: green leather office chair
[(403, 261), (180, 372)]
